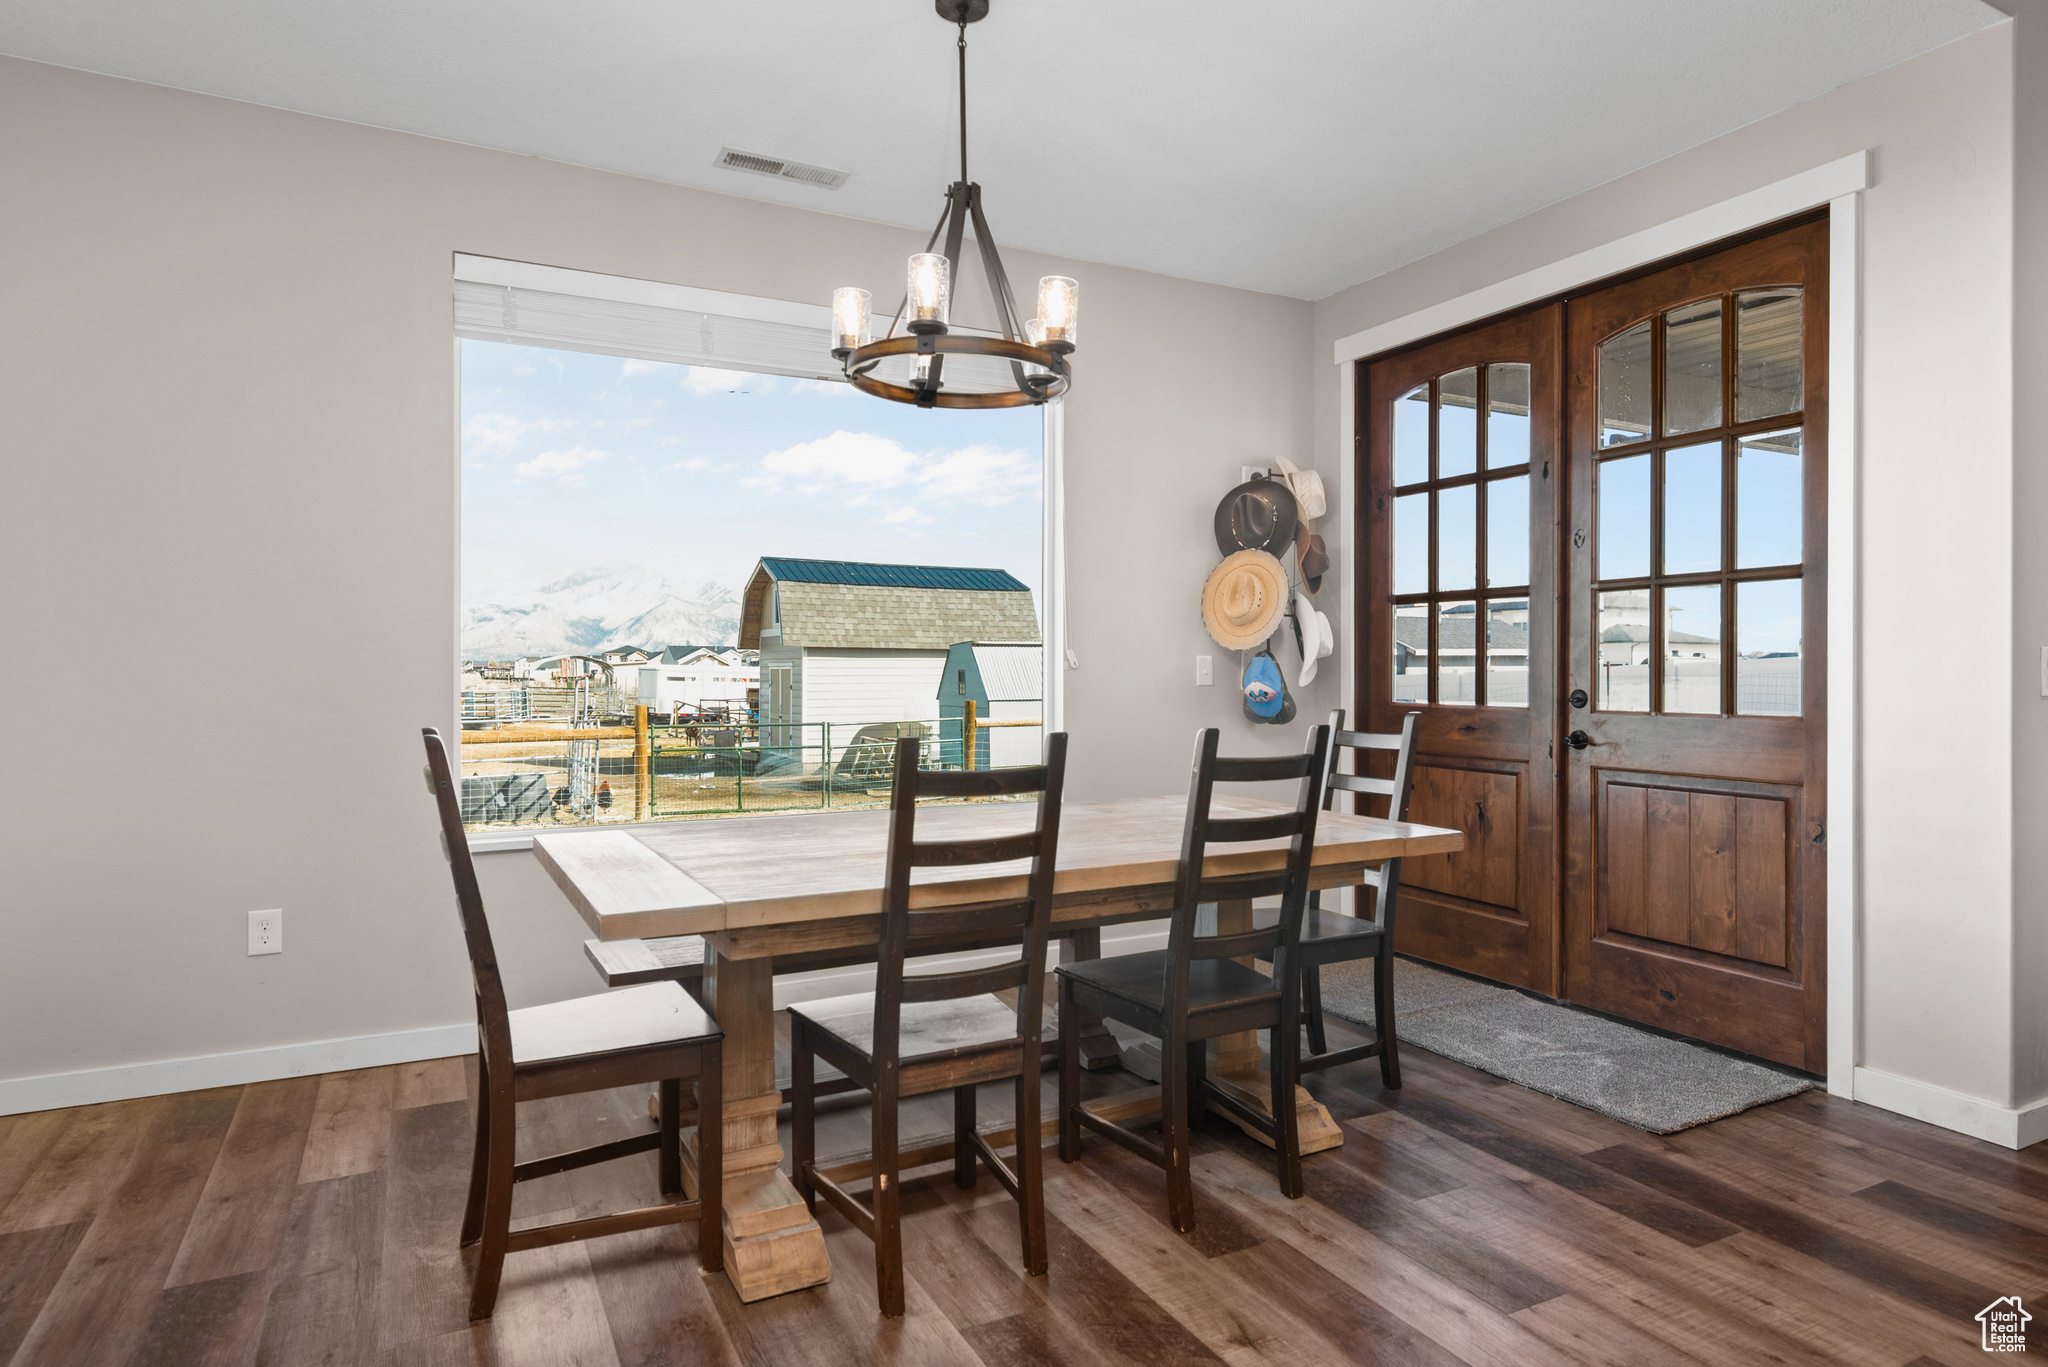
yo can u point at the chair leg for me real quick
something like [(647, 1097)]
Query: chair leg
[(1070, 1074), (1383, 1016), (480, 1159), (1198, 1073), (670, 1152), (1173, 1125), (887, 1201), (1030, 1167), (964, 1157), (803, 1114), (711, 1157), (497, 1212), (1284, 1065), (1312, 1008)]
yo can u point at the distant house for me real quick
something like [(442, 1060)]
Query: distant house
[(854, 644), (1006, 681), (626, 655), (700, 679)]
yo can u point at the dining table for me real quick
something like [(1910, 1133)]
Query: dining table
[(781, 892)]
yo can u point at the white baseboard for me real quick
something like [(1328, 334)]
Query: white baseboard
[(1980, 1119), (94, 1085)]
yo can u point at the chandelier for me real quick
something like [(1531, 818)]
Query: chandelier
[(1036, 350)]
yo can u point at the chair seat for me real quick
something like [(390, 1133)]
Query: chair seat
[(1141, 978), (922, 1027), (1319, 924), (641, 1017)]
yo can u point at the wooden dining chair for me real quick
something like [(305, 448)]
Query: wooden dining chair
[(1329, 936), (653, 1033), (1196, 989), (935, 1032)]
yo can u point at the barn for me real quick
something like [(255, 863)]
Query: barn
[(846, 644), (1006, 682)]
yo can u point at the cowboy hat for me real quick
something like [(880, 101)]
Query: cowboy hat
[(1259, 515), (1307, 488), (1313, 557), (1243, 599), (1316, 638)]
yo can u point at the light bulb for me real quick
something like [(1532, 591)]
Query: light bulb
[(850, 317), (930, 288), (1059, 307)]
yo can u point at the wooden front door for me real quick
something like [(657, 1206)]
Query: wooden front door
[(1695, 671), (1458, 458)]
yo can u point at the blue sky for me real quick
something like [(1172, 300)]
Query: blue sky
[(572, 461)]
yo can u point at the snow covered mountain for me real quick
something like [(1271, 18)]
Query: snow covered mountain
[(593, 609)]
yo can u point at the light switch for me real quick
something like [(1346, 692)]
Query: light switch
[(1205, 675)]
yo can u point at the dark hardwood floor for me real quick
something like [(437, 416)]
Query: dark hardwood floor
[(313, 1220)]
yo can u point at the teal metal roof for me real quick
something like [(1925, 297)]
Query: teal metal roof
[(893, 576)]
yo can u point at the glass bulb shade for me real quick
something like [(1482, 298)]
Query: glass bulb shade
[(1034, 331), (850, 313), (930, 287), (1059, 307)]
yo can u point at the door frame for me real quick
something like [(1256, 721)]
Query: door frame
[(1837, 186)]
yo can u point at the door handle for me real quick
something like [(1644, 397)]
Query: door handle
[(1579, 740)]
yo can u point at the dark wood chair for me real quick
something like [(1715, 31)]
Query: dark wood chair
[(935, 1032), (654, 1033), (1329, 936), (1195, 989)]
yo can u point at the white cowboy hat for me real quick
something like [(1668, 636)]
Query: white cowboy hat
[(1317, 639), (1244, 598), (1307, 488)]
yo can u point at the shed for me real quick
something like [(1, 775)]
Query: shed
[(1006, 682)]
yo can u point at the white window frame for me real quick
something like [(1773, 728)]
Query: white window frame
[(622, 289)]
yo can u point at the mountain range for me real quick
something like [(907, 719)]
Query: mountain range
[(595, 609)]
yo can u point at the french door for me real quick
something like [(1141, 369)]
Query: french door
[(1458, 575), (1696, 809), (1592, 555)]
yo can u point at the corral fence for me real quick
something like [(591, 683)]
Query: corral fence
[(542, 776)]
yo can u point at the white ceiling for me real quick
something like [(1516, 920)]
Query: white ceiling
[(1280, 146)]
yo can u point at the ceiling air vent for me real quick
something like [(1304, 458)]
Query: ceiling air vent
[(781, 169)]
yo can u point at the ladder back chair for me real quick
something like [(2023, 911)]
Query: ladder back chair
[(931, 1032), (653, 1033), (1329, 936), (1200, 987)]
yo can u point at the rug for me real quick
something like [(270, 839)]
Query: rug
[(1635, 1076)]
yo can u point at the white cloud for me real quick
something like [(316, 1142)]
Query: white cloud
[(848, 457), (898, 516), (493, 433), (695, 465), (564, 465), (524, 370), (980, 474), (631, 368), (637, 424), (703, 379)]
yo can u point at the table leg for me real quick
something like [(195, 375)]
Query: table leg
[(1098, 1046), (772, 1244), (1238, 1065)]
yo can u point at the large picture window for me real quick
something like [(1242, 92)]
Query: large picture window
[(692, 591)]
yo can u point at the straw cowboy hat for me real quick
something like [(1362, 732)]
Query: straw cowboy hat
[(1307, 488), (1244, 598)]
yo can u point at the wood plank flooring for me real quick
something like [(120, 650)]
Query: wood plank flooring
[(313, 1220)]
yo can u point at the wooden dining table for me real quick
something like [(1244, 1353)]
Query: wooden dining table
[(776, 893)]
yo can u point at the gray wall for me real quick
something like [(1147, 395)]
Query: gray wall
[(1938, 464), (227, 415)]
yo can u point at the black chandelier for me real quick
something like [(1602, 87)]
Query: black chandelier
[(1036, 350)]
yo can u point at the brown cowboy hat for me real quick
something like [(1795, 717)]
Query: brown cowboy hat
[(1259, 515), (1313, 556)]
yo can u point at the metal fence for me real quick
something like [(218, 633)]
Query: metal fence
[(694, 771)]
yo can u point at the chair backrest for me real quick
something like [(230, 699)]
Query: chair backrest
[(1394, 789), (935, 929), (494, 1025), (1201, 830)]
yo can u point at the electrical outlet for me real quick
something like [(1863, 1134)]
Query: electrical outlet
[(1204, 672), (266, 932)]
